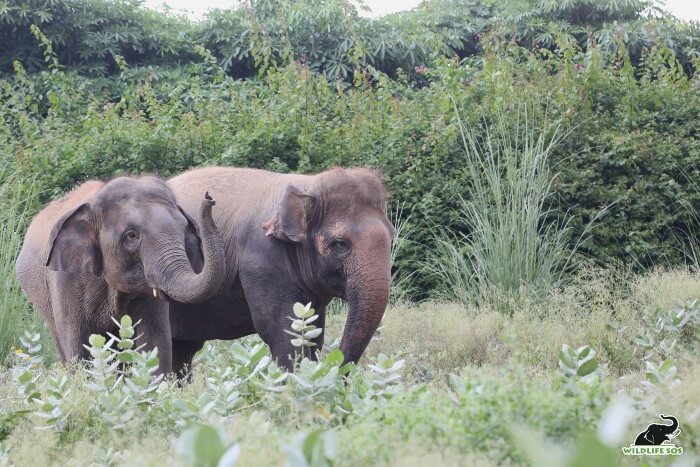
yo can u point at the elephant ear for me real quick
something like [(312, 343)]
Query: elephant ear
[(193, 243), (291, 222), (73, 243)]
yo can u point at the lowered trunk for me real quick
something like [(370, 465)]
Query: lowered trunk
[(368, 282)]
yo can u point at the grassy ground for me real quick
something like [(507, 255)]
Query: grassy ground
[(506, 394)]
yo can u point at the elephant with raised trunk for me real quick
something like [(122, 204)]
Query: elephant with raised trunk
[(289, 238), (123, 247), (657, 433)]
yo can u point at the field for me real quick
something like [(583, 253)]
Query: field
[(476, 387), (542, 160)]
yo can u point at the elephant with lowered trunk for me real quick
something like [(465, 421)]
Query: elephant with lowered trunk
[(105, 250), (289, 238)]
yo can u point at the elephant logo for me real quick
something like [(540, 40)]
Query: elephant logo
[(654, 440), (658, 433)]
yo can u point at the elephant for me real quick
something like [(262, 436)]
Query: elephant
[(289, 238), (657, 433), (115, 248)]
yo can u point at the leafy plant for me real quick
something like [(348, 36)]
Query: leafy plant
[(206, 446), (303, 330), (658, 378), (314, 449), (51, 406), (661, 329), (123, 377), (580, 368)]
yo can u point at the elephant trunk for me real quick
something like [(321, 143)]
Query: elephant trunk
[(674, 423), (368, 279), (177, 278)]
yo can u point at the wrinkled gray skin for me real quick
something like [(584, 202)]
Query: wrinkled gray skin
[(289, 238), (123, 247)]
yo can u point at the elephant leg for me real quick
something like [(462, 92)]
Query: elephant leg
[(70, 336), (71, 331), (183, 352), (80, 306)]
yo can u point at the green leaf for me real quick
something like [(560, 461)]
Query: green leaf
[(96, 340), (334, 357), (582, 352), (126, 321), (25, 377), (230, 457), (565, 360), (125, 357), (299, 310), (590, 451), (587, 367), (201, 445), (665, 366)]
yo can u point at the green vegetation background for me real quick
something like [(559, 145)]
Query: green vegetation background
[(94, 88)]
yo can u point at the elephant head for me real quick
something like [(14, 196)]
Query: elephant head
[(657, 433), (341, 242), (135, 235)]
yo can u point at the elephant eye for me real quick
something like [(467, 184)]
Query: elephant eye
[(340, 245), (131, 235)]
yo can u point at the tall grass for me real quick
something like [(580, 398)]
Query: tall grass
[(17, 198), (688, 238), (514, 239)]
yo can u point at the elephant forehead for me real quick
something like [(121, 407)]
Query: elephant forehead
[(361, 226), (144, 215), (125, 191)]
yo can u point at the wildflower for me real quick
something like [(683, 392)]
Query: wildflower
[(578, 67), (421, 69)]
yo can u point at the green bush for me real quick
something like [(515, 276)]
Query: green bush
[(630, 124)]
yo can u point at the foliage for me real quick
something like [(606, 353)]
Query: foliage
[(512, 243), (629, 137), (663, 328), (89, 35), (204, 446), (239, 406), (122, 377), (17, 201), (302, 328), (93, 36), (314, 449)]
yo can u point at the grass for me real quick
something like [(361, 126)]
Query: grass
[(513, 241), (16, 203), (508, 371)]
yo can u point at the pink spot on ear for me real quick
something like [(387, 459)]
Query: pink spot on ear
[(269, 226)]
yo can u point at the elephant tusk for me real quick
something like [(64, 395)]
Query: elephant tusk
[(155, 293)]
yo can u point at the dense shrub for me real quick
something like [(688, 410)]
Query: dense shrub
[(92, 35), (631, 124)]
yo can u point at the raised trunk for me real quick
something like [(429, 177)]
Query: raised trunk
[(674, 423), (179, 281), (367, 294)]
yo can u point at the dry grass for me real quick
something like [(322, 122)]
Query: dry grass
[(437, 337)]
